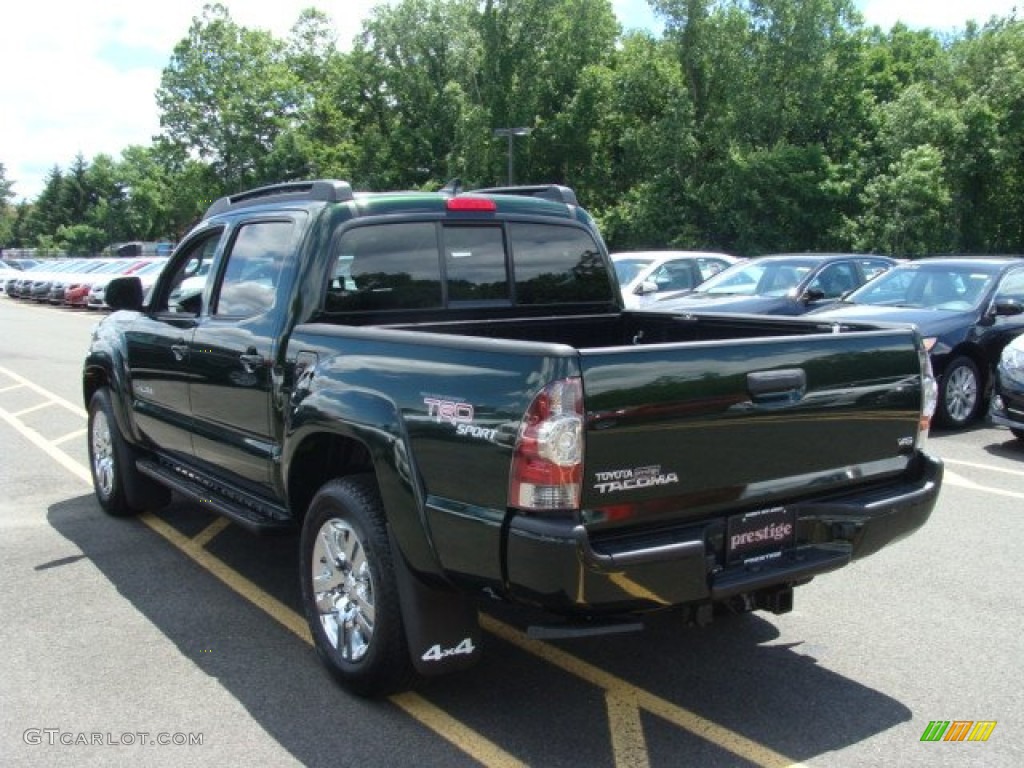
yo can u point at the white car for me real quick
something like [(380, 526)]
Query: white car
[(644, 274), (148, 274)]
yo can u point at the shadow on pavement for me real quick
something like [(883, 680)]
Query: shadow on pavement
[(729, 672)]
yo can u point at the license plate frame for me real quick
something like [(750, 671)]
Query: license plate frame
[(760, 535)]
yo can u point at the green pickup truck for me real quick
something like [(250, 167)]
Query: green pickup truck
[(443, 394)]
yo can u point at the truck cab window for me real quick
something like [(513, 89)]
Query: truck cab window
[(475, 267), (190, 269), (253, 271), (558, 265), (385, 266)]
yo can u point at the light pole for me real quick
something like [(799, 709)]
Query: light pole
[(511, 133)]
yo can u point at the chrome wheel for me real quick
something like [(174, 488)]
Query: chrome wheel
[(343, 589), (103, 468), (961, 394)]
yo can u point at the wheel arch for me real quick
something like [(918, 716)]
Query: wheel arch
[(103, 370), (349, 433), (336, 433)]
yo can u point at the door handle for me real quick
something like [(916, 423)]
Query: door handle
[(777, 387), (250, 361), (179, 350)]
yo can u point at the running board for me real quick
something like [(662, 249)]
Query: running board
[(254, 517), (574, 629)]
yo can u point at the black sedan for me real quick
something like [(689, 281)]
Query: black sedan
[(966, 308), (782, 284), (1007, 409)]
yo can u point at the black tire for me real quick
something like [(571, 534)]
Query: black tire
[(111, 460), (1018, 433), (960, 394), (349, 589)]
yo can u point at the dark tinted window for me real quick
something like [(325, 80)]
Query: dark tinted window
[(556, 264), (386, 266), (475, 264)]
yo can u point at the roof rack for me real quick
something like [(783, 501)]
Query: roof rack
[(327, 190), (555, 192)]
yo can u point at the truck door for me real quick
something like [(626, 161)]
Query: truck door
[(232, 352), (157, 348)]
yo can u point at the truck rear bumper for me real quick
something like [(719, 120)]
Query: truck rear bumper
[(559, 565)]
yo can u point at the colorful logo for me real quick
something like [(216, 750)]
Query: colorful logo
[(958, 730)]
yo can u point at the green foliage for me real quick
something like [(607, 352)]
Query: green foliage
[(747, 126), (226, 96), (6, 210), (908, 207), (81, 239)]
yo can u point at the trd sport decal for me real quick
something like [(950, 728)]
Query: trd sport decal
[(458, 414)]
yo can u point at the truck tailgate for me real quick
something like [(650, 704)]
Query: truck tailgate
[(678, 432)]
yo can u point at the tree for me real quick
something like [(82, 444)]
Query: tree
[(908, 208), (413, 65), (226, 96), (80, 239), (6, 210), (48, 212)]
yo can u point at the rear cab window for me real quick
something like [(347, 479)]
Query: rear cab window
[(433, 265)]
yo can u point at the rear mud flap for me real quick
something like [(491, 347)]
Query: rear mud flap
[(441, 625)]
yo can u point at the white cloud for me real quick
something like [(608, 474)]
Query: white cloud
[(68, 87), (80, 76), (940, 15)]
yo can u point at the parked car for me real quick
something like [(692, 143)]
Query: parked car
[(37, 284), (967, 309), (781, 284), (17, 285), (19, 263), (7, 272), (1007, 408), (55, 294), (643, 275), (76, 291), (97, 296)]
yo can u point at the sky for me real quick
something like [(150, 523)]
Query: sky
[(80, 76)]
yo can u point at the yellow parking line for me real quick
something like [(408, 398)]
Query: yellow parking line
[(46, 446), (209, 533), (629, 748), (69, 437), (32, 409), (466, 739), (462, 736), (76, 409), (718, 735), (277, 610)]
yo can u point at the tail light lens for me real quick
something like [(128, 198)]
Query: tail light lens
[(547, 465), (929, 392)]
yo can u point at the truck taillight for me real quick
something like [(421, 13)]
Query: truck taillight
[(547, 465), (929, 392)]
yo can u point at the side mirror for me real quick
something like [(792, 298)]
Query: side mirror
[(813, 294), (645, 288), (124, 293), (1007, 308)]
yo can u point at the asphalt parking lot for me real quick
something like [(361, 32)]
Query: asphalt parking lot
[(177, 638)]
